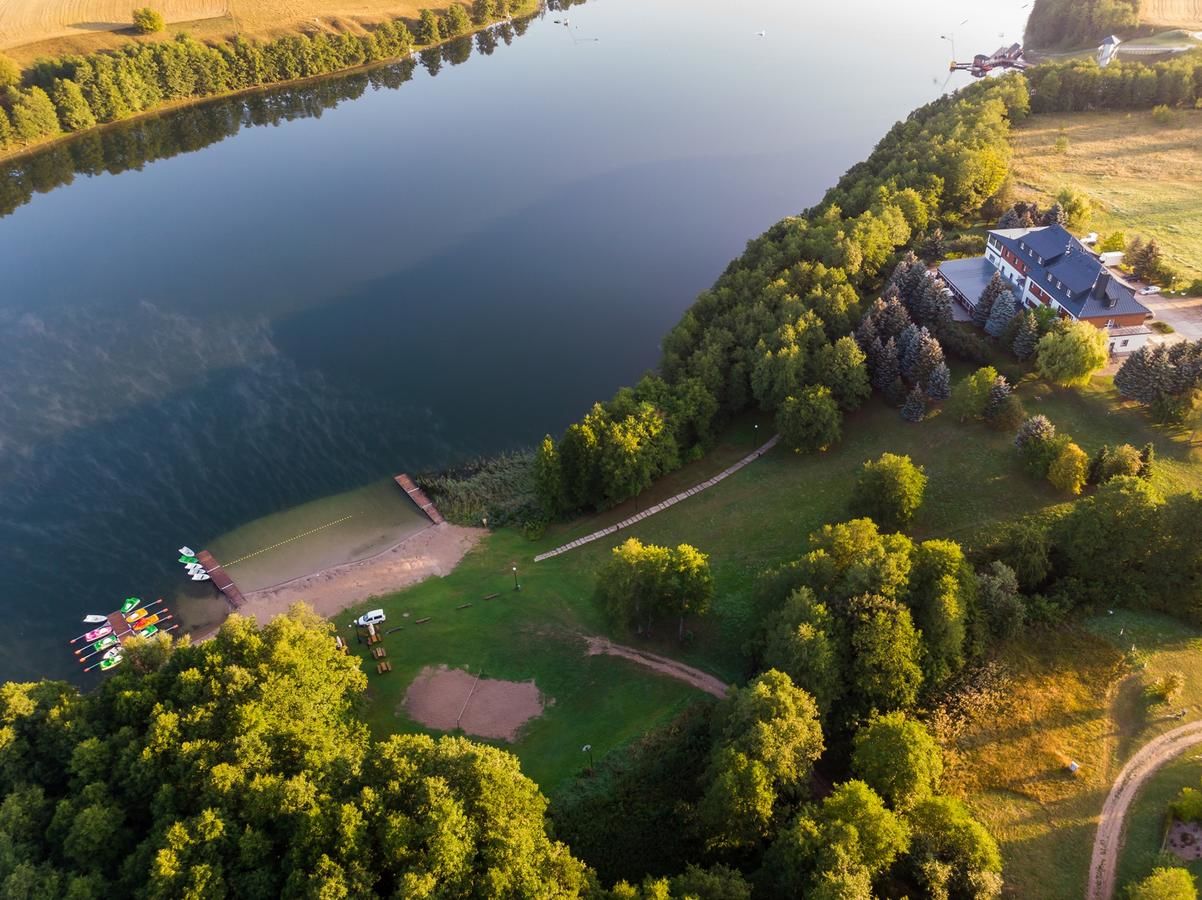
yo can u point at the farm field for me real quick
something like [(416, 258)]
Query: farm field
[(1179, 13), (1143, 178), (35, 28), (757, 518)]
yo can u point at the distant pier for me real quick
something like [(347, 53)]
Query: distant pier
[(220, 579), (418, 496)]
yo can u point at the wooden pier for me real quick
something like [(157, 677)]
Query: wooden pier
[(418, 496), (220, 579)]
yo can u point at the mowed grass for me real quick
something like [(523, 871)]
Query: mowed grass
[(1077, 694), (756, 519), (1143, 178)]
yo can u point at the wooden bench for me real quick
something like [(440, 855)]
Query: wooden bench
[(423, 621), (464, 606), (492, 596), (379, 652), (383, 667)]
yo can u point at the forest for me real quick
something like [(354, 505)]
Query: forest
[(1077, 23)]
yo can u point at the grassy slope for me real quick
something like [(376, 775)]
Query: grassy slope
[(1176, 13), (1146, 820), (1143, 178), (757, 518), (1077, 696)]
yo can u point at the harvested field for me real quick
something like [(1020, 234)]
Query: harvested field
[(29, 21), (1181, 13), (445, 699)]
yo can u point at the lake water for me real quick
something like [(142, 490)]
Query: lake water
[(403, 271)]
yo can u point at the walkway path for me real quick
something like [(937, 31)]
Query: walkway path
[(660, 507), (703, 681), (1139, 768)]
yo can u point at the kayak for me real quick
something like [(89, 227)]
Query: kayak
[(136, 614), (186, 551), (94, 620), (150, 629), (188, 559), (130, 603), (201, 576), (146, 622), (109, 663)]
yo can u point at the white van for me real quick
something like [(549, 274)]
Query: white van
[(375, 617), (1149, 290)]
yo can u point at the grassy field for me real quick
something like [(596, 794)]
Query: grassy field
[(1080, 697), (1143, 178), (751, 521), (1146, 820)]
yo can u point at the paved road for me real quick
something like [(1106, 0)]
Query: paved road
[(1183, 313), (1139, 768)]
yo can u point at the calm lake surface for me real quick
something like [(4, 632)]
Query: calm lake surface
[(404, 272)]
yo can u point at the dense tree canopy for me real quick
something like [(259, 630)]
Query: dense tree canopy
[(1071, 352), (238, 767), (889, 491)]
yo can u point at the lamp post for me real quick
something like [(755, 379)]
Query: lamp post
[(516, 586), (588, 748)]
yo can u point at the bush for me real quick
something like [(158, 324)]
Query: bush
[(10, 72), (1037, 444), (1165, 884), (1069, 471), (1113, 462), (1188, 805), (889, 491), (1164, 116), (1166, 688), (148, 21), (500, 487)]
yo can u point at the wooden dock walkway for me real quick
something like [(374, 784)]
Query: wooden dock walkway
[(418, 496), (660, 507), (220, 579)]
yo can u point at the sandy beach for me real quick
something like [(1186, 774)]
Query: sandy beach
[(433, 551)]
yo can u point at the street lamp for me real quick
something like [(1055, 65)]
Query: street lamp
[(516, 586), (588, 748)]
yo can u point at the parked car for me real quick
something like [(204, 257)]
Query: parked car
[(1150, 289), (375, 617)]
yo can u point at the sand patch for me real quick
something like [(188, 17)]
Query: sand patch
[(434, 551), (446, 699)]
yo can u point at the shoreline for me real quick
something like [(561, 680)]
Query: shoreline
[(433, 551), (527, 9)]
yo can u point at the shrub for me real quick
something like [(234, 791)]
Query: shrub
[(1003, 410), (1112, 462), (1037, 444), (1164, 116), (1188, 805), (971, 396), (889, 491), (10, 72), (148, 21), (1116, 241), (501, 488), (1171, 883), (1166, 688), (1069, 471)]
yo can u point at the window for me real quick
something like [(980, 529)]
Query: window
[(1110, 323), (1124, 343)]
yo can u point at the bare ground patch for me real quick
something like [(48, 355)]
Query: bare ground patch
[(446, 699)]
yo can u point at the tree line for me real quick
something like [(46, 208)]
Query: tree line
[(1081, 85), (76, 93), (771, 332)]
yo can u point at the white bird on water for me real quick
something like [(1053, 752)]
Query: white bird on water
[(761, 34)]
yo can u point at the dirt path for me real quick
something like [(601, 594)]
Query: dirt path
[(1139, 769), (703, 681)]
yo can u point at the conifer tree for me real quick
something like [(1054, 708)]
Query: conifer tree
[(915, 408), (934, 247), (1027, 336), (33, 116), (928, 358), (1135, 379), (6, 130), (1147, 456), (888, 367), (1003, 311), (866, 332), (907, 349), (993, 290), (893, 320), (1055, 215), (939, 383)]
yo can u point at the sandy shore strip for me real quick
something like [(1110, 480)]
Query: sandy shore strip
[(433, 551)]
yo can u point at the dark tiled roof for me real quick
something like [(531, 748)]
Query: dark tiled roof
[(1073, 268)]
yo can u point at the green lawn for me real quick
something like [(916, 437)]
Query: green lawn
[(749, 522), (1147, 817)]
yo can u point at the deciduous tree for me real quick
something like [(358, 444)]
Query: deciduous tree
[(889, 491)]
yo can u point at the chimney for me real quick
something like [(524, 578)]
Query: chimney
[(1100, 290)]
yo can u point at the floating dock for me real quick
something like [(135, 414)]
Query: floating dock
[(220, 579), (417, 496)]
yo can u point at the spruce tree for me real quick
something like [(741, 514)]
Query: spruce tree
[(939, 383), (934, 247), (1004, 309), (928, 358), (941, 312), (999, 394), (1135, 380), (893, 320), (915, 407), (6, 130), (907, 350), (1147, 456), (1055, 215), (993, 290), (866, 333), (1027, 336), (888, 368), (33, 116)]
